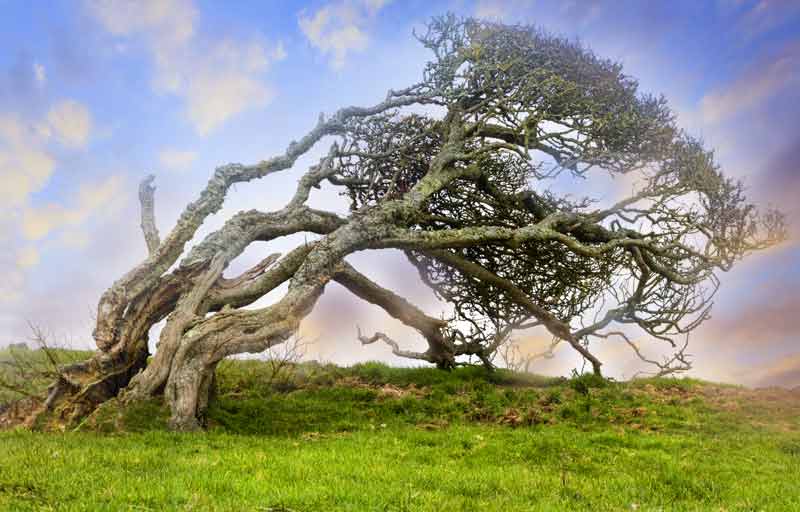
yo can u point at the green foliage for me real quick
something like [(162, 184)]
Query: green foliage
[(584, 382)]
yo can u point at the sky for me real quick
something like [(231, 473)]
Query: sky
[(96, 94)]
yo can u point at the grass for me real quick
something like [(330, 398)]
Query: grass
[(371, 437)]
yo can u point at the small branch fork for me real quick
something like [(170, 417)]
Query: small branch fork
[(676, 363), (396, 350)]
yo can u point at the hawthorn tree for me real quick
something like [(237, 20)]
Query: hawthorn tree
[(453, 171)]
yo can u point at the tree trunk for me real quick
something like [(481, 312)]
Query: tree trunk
[(82, 387)]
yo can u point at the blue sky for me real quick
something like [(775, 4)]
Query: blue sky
[(96, 94)]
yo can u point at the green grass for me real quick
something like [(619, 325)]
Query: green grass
[(371, 437)]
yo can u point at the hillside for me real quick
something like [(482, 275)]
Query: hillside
[(371, 437)]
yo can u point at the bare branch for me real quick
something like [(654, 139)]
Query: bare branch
[(515, 360), (676, 363), (396, 350), (147, 201), (441, 350)]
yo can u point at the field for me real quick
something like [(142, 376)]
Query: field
[(370, 437)]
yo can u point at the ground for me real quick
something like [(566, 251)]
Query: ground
[(370, 437)]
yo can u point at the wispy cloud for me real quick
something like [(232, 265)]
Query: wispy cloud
[(216, 79), (757, 17), (761, 81), (25, 164), (782, 181), (38, 222), (176, 159), (225, 82), (770, 319), (171, 22), (70, 123), (339, 28)]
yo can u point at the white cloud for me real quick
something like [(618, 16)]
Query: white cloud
[(71, 123), (25, 162), (216, 80), (175, 159), (38, 222), (23, 170), (25, 167), (94, 196), (169, 21), (337, 29), (225, 83)]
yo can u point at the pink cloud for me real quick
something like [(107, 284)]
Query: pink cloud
[(761, 81)]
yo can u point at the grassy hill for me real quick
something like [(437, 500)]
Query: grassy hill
[(371, 437)]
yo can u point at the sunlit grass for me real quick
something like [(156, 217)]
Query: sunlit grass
[(373, 437)]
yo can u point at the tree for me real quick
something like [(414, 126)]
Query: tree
[(453, 171)]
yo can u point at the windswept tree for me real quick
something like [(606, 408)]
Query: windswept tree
[(453, 171)]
